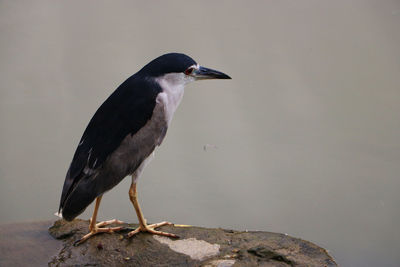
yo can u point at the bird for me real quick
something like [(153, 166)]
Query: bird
[(121, 137)]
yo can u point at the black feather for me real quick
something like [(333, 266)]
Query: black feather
[(168, 63), (125, 112)]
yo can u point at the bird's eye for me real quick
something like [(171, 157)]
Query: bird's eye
[(189, 71)]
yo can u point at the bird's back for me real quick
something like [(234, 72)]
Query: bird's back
[(120, 136)]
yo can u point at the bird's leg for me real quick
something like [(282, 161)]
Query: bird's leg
[(95, 228), (143, 226)]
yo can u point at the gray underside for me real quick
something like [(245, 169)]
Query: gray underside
[(128, 157), (124, 161)]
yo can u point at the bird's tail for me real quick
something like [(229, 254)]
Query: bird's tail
[(81, 196)]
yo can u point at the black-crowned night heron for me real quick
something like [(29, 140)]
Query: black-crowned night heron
[(122, 135)]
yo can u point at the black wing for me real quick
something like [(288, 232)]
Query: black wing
[(124, 112)]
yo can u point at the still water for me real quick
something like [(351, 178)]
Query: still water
[(303, 140)]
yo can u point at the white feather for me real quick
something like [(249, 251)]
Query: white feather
[(173, 85)]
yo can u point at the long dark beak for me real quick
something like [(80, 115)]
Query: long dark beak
[(203, 73)]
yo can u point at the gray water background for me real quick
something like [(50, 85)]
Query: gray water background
[(306, 133)]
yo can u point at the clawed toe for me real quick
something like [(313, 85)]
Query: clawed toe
[(97, 229), (150, 229), (114, 221)]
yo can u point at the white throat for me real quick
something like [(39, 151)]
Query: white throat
[(173, 87)]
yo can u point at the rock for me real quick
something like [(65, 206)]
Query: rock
[(267, 253), (195, 247), (30, 244)]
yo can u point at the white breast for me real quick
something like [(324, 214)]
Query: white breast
[(173, 86)]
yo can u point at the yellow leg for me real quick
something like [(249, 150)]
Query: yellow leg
[(143, 227), (95, 228)]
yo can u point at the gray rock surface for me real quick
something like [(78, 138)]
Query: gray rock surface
[(195, 247)]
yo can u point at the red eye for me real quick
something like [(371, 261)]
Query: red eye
[(189, 71)]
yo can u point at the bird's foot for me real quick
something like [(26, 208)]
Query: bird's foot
[(150, 229), (98, 229)]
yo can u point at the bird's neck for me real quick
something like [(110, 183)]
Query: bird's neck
[(172, 85)]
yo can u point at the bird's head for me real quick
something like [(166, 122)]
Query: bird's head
[(179, 68)]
